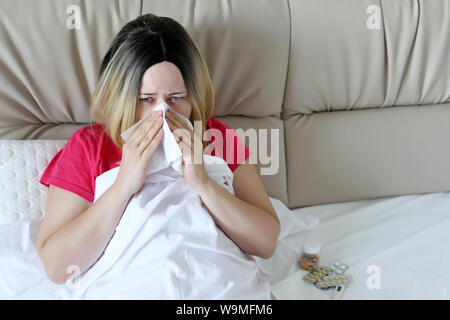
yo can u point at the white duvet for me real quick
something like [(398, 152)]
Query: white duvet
[(166, 246)]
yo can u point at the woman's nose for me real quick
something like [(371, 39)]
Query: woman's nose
[(161, 100)]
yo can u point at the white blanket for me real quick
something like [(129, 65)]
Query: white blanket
[(167, 246)]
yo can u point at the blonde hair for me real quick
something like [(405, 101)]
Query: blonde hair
[(141, 43)]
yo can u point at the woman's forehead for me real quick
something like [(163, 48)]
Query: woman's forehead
[(163, 77)]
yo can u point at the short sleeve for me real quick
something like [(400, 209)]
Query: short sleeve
[(226, 143), (72, 167)]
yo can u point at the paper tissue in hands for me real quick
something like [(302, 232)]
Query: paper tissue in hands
[(167, 158), (166, 162)]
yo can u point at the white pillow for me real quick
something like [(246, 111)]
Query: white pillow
[(22, 163)]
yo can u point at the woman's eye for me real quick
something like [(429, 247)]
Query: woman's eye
[(150, 99)]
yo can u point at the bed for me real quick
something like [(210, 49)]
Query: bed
[(404, 239), (354, 95)]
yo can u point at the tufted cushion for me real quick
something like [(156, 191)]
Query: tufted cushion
[(366, 108), (22, 163)]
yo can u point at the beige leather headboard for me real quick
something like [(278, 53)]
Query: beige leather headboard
[(359, 90)]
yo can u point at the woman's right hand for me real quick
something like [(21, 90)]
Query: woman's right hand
[(136, 154)]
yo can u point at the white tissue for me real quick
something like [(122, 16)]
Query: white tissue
[(168, 154)]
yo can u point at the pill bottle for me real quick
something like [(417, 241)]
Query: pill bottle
[(309, 260)]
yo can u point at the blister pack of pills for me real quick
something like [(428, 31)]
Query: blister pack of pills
[(329, 278), (338, 267), (317, 274), (331, 281)]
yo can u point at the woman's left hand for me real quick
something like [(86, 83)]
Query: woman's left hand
[(194, 170)]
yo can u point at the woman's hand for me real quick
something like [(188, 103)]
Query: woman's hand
[(193, 168), (136, 153)]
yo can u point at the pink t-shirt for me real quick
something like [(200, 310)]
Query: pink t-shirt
[(90, 152)]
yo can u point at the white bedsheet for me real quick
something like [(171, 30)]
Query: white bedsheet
[(406, 238)]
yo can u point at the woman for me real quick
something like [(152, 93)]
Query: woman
[(151, 60)]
